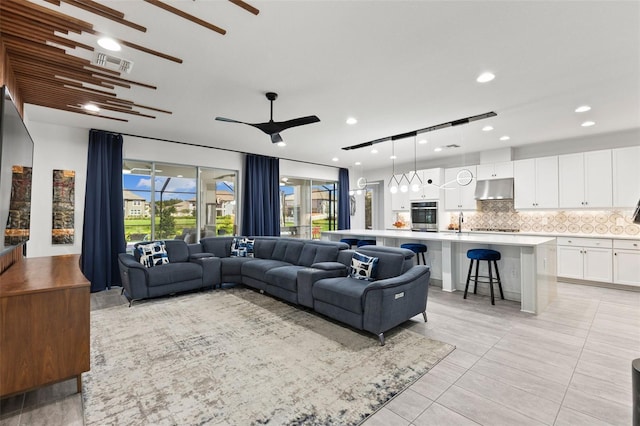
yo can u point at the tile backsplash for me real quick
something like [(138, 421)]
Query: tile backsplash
[(500, 214)]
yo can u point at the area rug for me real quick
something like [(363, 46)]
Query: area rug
[(238, 357)]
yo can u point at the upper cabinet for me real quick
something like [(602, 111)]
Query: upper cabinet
[(400, 200), (459, 194), (626, 176), (536, 183), (428, 191), (585, 180), (495, 170)]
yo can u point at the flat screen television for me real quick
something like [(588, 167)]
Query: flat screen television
[(636, 214), (16, 161)]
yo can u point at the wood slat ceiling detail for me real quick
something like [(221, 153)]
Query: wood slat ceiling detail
[(39, 67)]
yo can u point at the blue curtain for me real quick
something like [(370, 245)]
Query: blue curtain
[(103, 230), (344, 211), (261, 196)]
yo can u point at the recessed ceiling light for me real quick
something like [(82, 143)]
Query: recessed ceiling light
[(358, 163), (179, 176), (487, 128), (588, 123), (334, 159), (281, 143), (285, 179), (505, 138), (393, 157), (351, 120), (109, 44), (422, 141), (485, 77), (374, 151), (583, 108), (91, 107), (438, 149)]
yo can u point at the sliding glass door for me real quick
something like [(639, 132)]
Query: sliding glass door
[(307, 207)]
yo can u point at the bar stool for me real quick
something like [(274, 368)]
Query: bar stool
[(351, 241), (489, 256), (366, 243), (418, 249)]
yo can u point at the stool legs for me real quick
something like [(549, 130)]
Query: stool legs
[(499, 281), (466, 287), (491, 279), (424, 260)]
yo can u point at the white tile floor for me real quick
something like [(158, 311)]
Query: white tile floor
[(570, 365)]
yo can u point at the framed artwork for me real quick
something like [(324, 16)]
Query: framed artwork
[(62, 228), (17, 229)]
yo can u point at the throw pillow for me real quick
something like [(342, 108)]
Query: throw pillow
[(153, 254), (363, 267), (242, 247)]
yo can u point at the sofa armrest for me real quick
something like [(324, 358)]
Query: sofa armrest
[(308, 276), (389, 302), (330, 266), (134, 276), (211, 268)]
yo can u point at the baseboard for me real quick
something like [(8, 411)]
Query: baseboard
[(599, 284)]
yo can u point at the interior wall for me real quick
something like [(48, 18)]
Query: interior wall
[(62, 148)]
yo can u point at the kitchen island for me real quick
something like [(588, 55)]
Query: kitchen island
[(527, 267)]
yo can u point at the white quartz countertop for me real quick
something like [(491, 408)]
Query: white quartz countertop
[(464, 237)]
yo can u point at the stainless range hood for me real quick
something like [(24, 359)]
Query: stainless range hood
[(494, 189)]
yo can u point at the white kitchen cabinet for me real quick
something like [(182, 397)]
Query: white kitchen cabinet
[(495, 170), (626, 176), (536, 183), (400, 200), (585, 259), (626, 262), (428, 191), (585, 180), (456, 195)]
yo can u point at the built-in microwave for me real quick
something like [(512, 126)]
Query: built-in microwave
[(424, 216)]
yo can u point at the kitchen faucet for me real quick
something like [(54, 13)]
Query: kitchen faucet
[(460, 220)]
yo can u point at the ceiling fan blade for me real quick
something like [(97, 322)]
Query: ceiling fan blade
[(298, 122), (275, 138), (229, 120)]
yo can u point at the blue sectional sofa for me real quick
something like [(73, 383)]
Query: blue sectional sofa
[(310, 273)]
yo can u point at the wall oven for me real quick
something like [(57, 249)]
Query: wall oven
[(424, 216)]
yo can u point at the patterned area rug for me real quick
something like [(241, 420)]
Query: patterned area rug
[(237, 357)]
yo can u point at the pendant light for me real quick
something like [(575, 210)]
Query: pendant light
[(394, 183), (416, 181)]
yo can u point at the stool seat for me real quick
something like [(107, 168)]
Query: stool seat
[(366, 243), (351, 241), (416, 248), (483, 254)]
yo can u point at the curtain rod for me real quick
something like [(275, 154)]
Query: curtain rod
[(221, 149)]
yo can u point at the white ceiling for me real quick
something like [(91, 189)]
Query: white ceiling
[(396, 66)]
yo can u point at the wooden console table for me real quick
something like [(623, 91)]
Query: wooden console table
[(44, 323)]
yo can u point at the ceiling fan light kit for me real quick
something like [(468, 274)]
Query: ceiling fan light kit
[(273, 128)]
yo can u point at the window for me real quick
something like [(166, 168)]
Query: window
[(307, 207), (174, 204), (136, 185), (217, 202)]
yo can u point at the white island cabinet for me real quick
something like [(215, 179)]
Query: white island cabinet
[(527, 266)]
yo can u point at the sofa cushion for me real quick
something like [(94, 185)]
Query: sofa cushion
[(363, 267), (152, 254), (263, 247), (259, 267), (177, 250), (218, 246), (242, 247), (326, 253), (173, 273), (284, 277), (343, 292), (233, 265), (392, 261)]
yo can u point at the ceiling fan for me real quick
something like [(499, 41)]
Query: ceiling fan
[(273, 128)]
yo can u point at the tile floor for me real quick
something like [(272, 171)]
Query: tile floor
[(570, 365)]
